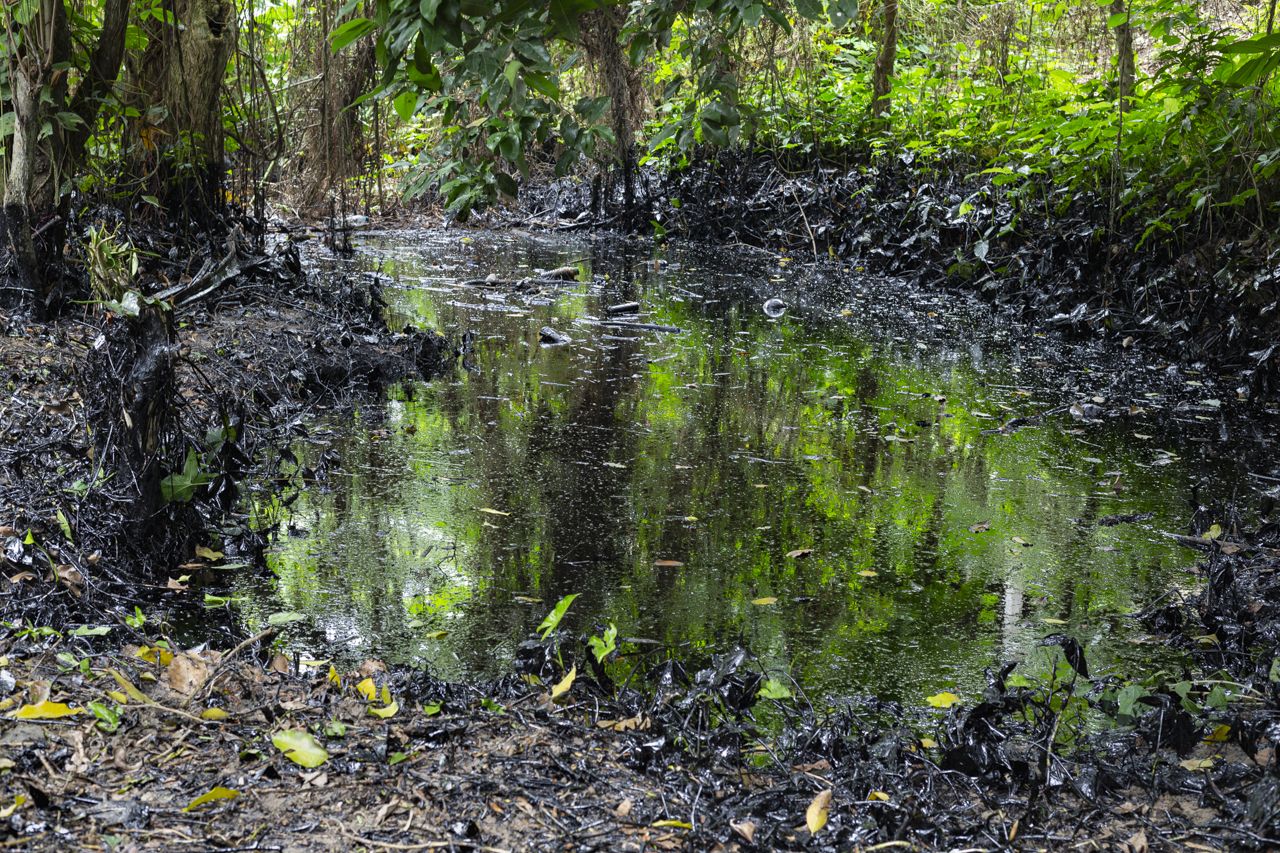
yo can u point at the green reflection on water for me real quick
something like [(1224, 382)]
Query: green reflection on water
[(934, 546)]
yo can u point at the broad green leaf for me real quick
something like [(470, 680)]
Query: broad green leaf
[(349, 32), (552, 621), (301, 747), (284, 618), (774, 689)]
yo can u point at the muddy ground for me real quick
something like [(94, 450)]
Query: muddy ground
[(112, 733)]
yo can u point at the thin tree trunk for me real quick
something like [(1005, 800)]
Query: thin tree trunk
[(623, 83), (1126, 68), (882, 71), (24, 101)]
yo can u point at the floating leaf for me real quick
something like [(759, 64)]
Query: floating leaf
[(943, 700), (1018, 540), (562, 686), (980, 527), (668, 564), (491, 511), (300, 747), (284, 618), (774, 689), (815, 817), (799, 553), (765, 601), (46, 710), (868, 573), (1049, 620), (213, 795)]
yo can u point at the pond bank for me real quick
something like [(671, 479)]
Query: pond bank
[(114, 740), (1066, 262)]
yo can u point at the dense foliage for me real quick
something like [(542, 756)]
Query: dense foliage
[(1165, 109)]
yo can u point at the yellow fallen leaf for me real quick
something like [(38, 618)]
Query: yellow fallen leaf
[(815, 817), (18, 802), (46, 710), (562, 686), (213, 714), (118, 697), (943, 700), (386, 712), (1214, 532), (155, 654), (208, 553), (765, 601), (300, 747), (1219, 734), (673, 824), (213, 795), (1195, 765), (367, 689), (928, 742), (878, 796), (333, 676)]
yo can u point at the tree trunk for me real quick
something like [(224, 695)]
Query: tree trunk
[(25, 82), (882, 71), (179, 84), (624, 85), (99, 80), (1126, 69)]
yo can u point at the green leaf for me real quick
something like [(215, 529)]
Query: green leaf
[(604, 646), (301, 747), (1257, 44), (86, 631), (506, 184), (811, 9), (349, 32), (284, 618), (774, 689), (552, 621), (406, 103)]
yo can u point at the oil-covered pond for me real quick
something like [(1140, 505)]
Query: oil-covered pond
[(831, 487)]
